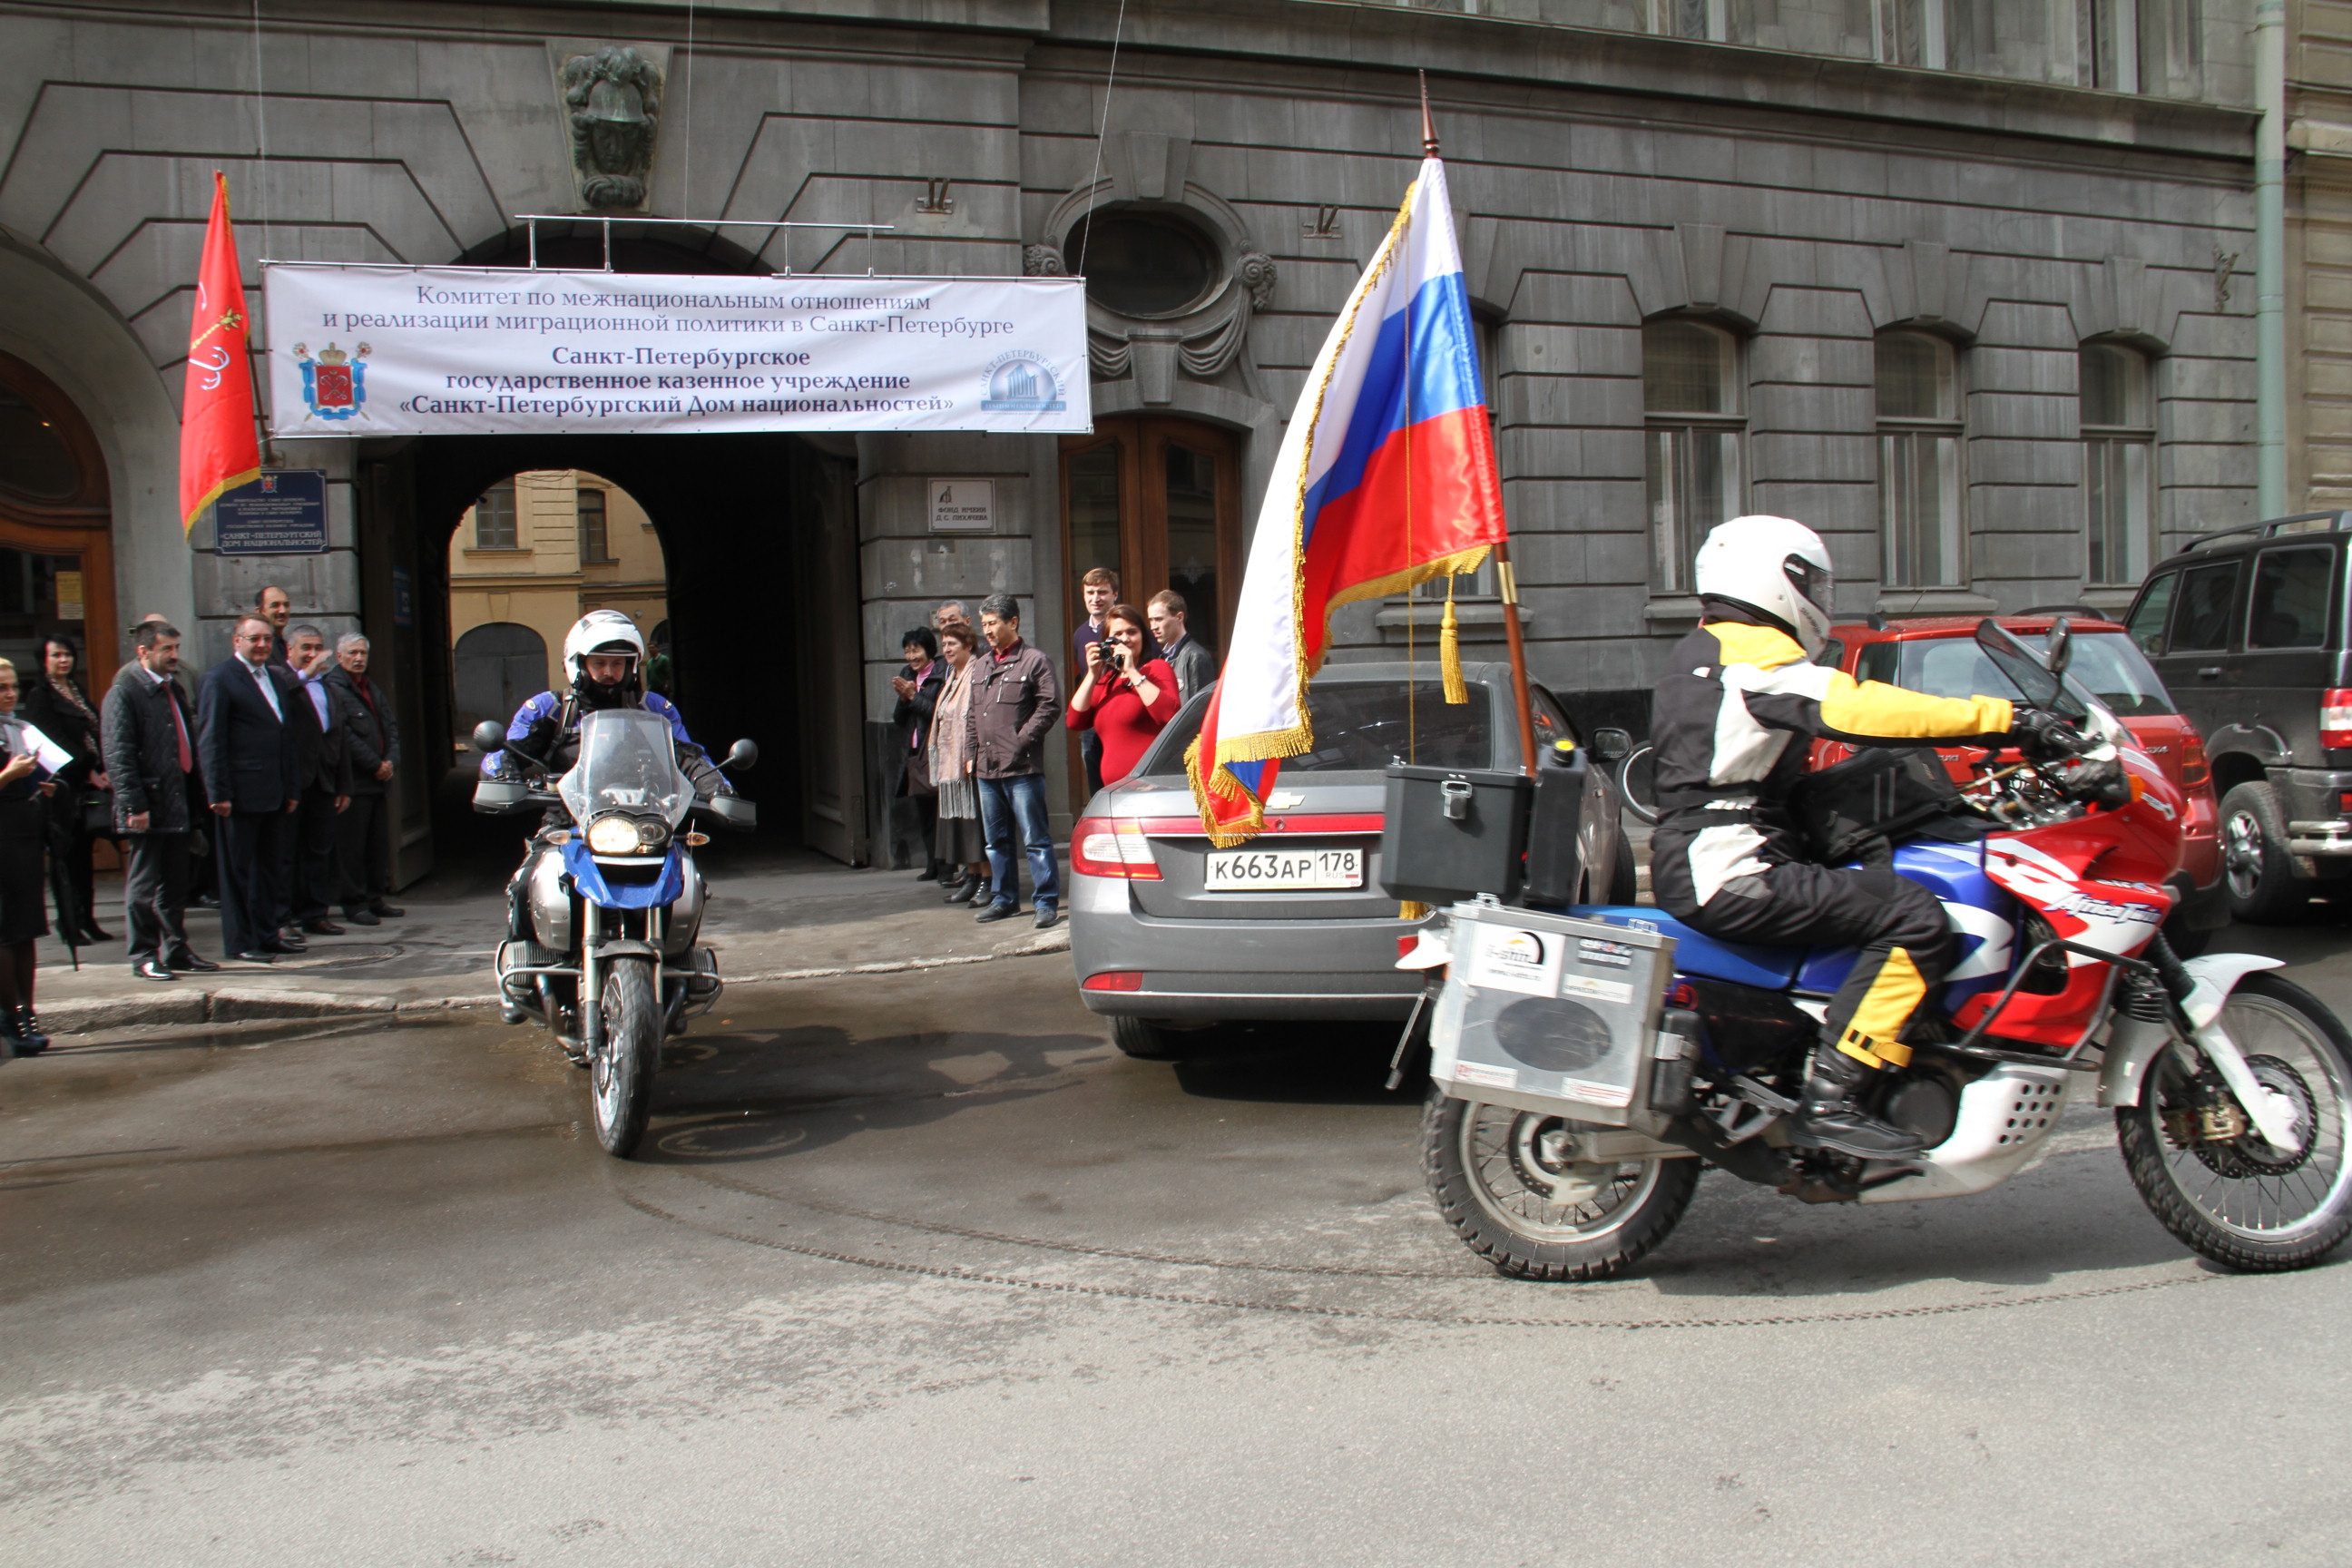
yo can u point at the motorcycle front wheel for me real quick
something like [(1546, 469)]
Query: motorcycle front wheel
[(2214, 1181), (1499, 1180), (621, 1083)]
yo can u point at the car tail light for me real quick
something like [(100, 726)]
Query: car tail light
[(2195, 771), (2335, 719), (1108, 846), (1114, 980)]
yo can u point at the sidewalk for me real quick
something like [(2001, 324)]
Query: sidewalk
[(773, 917), (783, 917)]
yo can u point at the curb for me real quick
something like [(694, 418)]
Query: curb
[(240, 1004)]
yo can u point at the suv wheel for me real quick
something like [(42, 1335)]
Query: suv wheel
[(2263, 888)]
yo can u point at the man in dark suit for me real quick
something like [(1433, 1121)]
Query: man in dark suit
[(247, 749), (151, 759), (371, 740), (324, 770)]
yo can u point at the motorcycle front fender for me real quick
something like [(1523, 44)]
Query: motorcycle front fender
[(2133, 1043)]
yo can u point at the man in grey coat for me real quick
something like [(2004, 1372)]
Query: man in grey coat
[(1017, 702), (150, 744)]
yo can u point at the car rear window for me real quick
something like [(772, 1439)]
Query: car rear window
[(1361, 726), (2105, 662)]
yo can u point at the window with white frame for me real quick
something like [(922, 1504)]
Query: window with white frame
[(1693, 444), (595, 542), (1924, 529), (2118, 464), (1910, 33), (495, 526), (1691, 18)]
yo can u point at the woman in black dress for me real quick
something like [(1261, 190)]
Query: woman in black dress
[(54, 704), (918, 685), (22, 830)]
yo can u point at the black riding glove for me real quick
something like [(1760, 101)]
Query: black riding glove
[(534, 742), (2043, 735)]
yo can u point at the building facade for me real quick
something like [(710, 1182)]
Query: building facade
[(1965, 284), (529, 557)]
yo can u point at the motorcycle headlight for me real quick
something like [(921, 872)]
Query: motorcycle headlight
[(652, 836), (612, 835)]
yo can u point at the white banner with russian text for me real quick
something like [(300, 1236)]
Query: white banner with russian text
[(427, 350)]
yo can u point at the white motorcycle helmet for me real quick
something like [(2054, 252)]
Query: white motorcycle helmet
[(1775, 566), (603, 632)]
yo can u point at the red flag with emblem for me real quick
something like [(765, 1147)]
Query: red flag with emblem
[(219, 449)]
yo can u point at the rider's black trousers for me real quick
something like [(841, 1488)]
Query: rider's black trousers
[(1904, 939)]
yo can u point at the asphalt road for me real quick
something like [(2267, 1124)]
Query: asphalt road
[(917, 1270)]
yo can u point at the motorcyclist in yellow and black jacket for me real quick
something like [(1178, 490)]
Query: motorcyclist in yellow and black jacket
[(1733, 717)]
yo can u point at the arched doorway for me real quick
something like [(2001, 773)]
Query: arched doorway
[(534, 552), (56, 541), (758, 535)]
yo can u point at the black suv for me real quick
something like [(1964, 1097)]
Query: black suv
[(2246, 626)]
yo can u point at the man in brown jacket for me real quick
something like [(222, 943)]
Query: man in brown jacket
[(1015, 703)]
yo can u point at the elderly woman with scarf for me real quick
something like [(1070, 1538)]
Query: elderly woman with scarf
[(54, 704), (22, 830), (962, 848)]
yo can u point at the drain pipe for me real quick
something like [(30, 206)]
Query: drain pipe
[(2270, 257)]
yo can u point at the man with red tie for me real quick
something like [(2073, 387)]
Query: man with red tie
[(149, 741)]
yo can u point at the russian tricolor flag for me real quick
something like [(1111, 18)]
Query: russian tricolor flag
[(1386, 478)]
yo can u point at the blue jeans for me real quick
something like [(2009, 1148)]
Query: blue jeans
[(1001, 802)]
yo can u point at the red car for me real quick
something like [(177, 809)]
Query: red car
[(1938, 655)]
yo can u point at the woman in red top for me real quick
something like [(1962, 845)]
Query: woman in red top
[(1125, 698)]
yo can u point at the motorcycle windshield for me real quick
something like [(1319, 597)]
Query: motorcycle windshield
[(627, 763)]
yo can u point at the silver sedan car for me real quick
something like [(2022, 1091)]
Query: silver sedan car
[(1167, 930)]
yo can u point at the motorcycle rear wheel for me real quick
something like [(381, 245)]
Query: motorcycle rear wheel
[(2241, 1202), (620, 1079), (1532, 1217)]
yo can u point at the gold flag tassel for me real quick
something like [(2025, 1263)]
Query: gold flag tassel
[(1449, 651)]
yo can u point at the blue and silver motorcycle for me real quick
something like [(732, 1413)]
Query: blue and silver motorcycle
[(615, 902)]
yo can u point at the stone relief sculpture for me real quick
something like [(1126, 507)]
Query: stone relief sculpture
[(613, 99)]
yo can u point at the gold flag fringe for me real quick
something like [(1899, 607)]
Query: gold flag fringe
[(1449, 651)]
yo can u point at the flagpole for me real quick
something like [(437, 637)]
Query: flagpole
[(1505, 578)]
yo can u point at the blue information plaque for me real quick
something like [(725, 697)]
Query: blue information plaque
[(283, 512)]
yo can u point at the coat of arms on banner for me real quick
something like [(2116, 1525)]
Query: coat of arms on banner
[(333, 384)]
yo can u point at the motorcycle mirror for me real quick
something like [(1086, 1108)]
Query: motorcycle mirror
[(2036, 682), (2061, 645), (741, 755), (489, 735), (1612, 744)]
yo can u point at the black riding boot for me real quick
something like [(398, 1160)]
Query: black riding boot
[(1831, 1116)]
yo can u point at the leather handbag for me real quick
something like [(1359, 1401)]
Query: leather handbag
[(96, 814)]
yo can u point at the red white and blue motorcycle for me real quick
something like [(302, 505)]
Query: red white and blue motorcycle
[(1567, 1144)]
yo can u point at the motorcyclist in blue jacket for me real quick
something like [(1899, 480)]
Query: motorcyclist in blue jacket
[(604, 657)]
